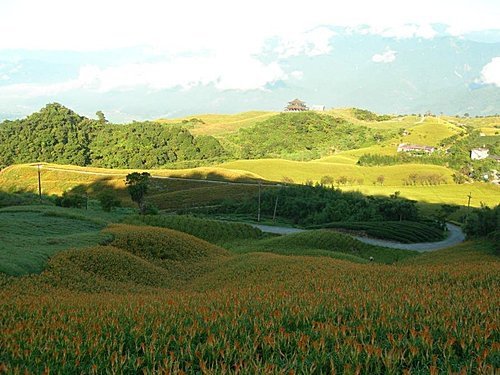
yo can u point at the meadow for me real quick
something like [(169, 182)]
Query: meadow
[(219, 124), (188, 188), (157, 300), (30, 235)]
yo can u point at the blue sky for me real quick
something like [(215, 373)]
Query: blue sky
[(145, 59)]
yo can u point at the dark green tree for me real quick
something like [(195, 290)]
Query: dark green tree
[(137, 186), (108, 200), (101, 118)]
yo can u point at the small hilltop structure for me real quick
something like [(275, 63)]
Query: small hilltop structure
[(296, 105)]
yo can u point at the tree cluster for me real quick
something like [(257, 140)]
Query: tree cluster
[(307, 205), (365, 115), (57, 134)]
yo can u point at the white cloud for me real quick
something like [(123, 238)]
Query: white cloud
[(386, 57), (402, 31), (224, 72), (311, 43), (490, 74), (192, 25)]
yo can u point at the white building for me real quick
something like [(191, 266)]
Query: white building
[(479, 153), (319, 108)]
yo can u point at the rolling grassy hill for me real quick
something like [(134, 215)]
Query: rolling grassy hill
[(300, 172), (159, 300), (138, 297), (218, 124), (176, 194)]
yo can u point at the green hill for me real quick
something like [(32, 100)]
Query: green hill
[(161, 243)]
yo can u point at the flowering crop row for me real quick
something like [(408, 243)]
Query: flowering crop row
[(263, 313)]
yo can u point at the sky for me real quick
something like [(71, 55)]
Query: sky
[(145, 59)]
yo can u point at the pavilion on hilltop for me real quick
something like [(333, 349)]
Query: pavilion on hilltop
[(296, 105)]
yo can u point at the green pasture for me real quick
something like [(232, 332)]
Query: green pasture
[(300, 172), (220, 124), (30, 235)]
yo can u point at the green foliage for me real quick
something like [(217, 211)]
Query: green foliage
[(365, 115), (149, 145), (71, 200), (304, 135), (371, 160), (213, 231), (57, 134), (23, 199), (101, 118), (401, 231), (483, 221), (318, 204), (108, 200), (137, 186)]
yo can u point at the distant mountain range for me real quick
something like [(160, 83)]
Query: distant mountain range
[(382, 74)]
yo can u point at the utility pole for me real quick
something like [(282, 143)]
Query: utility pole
[(275, 208), (39, 184), (468, 203), (258, 210)]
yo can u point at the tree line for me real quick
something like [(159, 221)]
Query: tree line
[(59, 135), (308, 204)]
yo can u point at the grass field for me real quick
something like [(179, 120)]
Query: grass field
[(323, 243), (177, 194), (431, 132), (217, 124), (300, 172), (30, 235)]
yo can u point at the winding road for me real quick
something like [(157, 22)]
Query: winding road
[(455, 237)]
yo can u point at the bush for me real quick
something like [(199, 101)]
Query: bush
[(71, 200), (108, 200)]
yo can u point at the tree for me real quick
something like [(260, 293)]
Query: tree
[(137, 186), (101, 118), (108, 200)]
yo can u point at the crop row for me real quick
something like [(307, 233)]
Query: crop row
[(402, 231), (291, 315)]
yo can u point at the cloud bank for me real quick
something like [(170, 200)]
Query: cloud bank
[(490, 74), (385, 57)]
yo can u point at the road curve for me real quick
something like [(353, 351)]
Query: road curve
[(455, 237)]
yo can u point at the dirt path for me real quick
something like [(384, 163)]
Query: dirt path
[(455, 237)]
